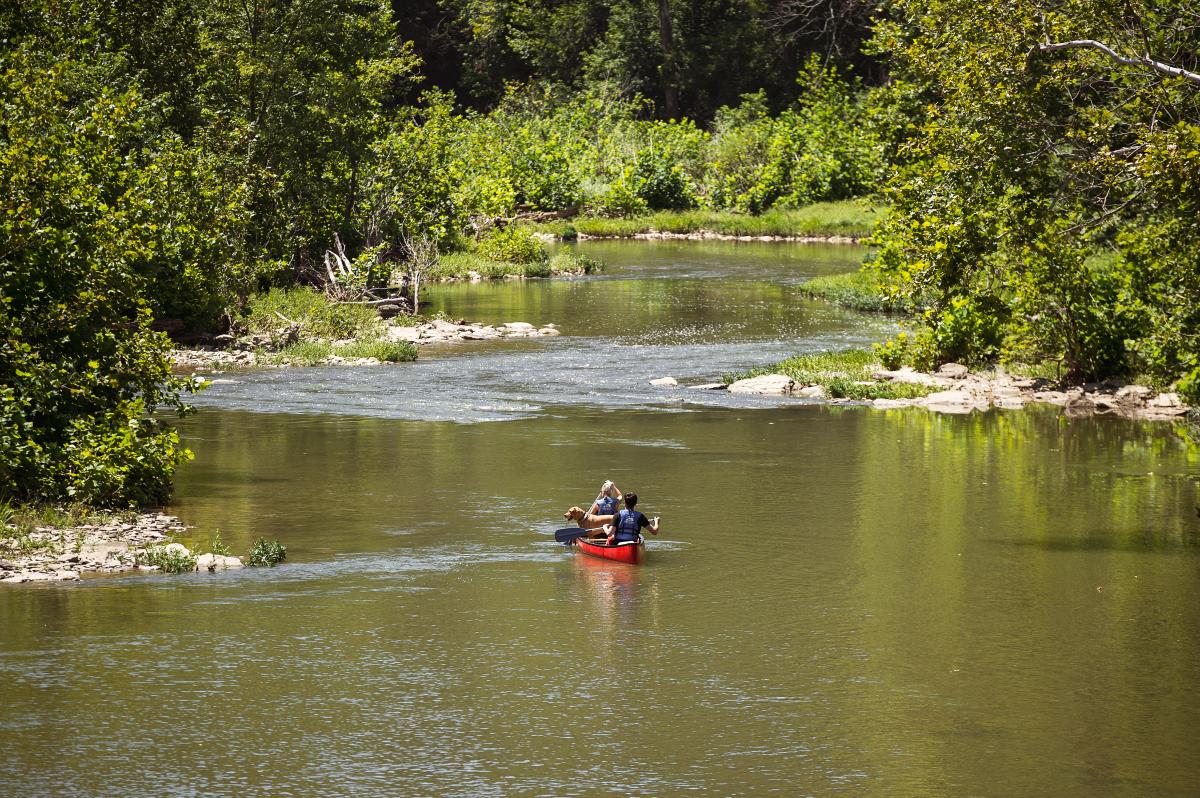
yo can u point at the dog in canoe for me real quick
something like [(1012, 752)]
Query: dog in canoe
[(586, 520)]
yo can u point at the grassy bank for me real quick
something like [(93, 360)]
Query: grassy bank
[(468, 265), (312, 353), (858, 290), (848, 218), (843, 375)]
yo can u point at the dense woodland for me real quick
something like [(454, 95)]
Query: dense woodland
[(167, 160)]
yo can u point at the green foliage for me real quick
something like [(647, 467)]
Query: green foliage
[(169, 560), (321, 317), (824, 148), (413, 180), (893, 353), (1026, 164), (218, 546), (512, 245), (265, 553), (84, 373), (571, 262)]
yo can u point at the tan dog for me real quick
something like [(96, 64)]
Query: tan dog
[(586, 520)]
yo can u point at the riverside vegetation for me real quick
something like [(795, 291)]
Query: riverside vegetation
[(167, 163)]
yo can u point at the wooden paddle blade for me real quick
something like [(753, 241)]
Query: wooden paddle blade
[(569, 534)]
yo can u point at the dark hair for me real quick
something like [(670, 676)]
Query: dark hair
[(630, 500)]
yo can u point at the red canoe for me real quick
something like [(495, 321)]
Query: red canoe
[(632, 552)]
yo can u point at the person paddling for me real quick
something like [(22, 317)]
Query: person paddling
[(628, 524), (607, 502)]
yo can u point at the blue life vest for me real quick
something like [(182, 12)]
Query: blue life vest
[(607, 505), (628, 525)]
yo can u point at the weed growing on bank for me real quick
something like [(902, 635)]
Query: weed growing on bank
[(858, 290), (844, 375), (170, 559), (265, 553)]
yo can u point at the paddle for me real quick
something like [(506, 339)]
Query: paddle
[(570, 533)]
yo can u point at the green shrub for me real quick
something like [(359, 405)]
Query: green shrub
[(894, 353), (169, 561), (567, 261), (265, 553), (512, 245), (218, 546), (321, 317)]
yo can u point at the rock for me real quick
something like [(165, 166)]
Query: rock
[(665, 382), (768, 384), (953, 371), (1080, 406), (813, 392), (409, 334), (1138, 392), (708, 386), (907, 374), (952, 402), (890, 404), (66, 576), (177, 548), (1050, 397), (548, 331), (217, 562), (1166, 400), (520, 326)]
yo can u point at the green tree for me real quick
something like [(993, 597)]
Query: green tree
[(82, 372), (1040, 153)]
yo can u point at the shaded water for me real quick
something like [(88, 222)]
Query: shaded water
[(843, 601)]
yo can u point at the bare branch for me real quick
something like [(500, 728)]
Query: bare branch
[(1140, 61)]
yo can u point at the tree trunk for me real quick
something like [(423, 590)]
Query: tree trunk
[(670, 72)]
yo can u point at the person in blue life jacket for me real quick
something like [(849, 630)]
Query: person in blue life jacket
[(629, 523), (608, 500)]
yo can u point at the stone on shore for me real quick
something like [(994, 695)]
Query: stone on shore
[(217, 562), (953, 371), (956, 402), (665, 382), (813, 392), (767, 384)]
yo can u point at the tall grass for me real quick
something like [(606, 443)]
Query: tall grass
[(314, 353), (321, 318)]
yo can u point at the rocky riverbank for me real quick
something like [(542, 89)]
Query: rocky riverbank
[(953, 388), (249, 353), (62, 554)]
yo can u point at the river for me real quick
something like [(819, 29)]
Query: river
[(843, 601)]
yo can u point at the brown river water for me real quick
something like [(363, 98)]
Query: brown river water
[(843, 601)]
